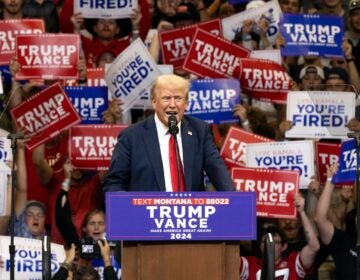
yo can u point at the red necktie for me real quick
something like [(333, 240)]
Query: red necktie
[(173, 168)]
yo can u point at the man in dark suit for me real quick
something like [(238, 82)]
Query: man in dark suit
[(140, 160)]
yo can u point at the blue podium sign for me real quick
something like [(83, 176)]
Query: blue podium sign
[(181, 216)]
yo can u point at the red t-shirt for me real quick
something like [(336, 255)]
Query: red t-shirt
[(289, 268), (82, 198)]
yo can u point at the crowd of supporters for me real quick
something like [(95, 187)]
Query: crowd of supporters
[(53, 197)]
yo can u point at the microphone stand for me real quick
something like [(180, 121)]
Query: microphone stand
[(356, 136), (13, 137)]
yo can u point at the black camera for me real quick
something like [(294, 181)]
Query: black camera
[(90, 249)]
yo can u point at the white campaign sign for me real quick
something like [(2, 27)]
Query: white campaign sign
[(319, 114), (131, 74), (105, 8), (28, 258), (290, 155)]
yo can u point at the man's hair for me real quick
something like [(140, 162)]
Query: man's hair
[(86, 273), (171, 81)]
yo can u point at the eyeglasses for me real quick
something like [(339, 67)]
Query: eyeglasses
[(33, 215)]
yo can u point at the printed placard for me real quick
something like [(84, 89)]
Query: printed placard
[(105, 8), (273, 55), (9, 29), (265, 80), (214, 57), (28, 258), (347, 163), (212, 100), (144, 101), (95, 77), (175, 43), (5, 147), (270, 11), (89, 102), (233, 150), (45, 115), (131, 74), (275, 190), (91, 146), (319, 114), (292, 155), (180, 216), (315, 35), (48, 56), (326, 155)]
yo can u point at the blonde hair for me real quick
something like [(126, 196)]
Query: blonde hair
[(172, 82)]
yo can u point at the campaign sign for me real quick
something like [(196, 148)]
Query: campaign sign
[(234, 2), (28, 258), (105, 8), (271, 12), (181, 215), (273, 55), (89, 102), (144, 101), (347, 163), (99, 266), (175, 43), (317, 35), (131, 74), (233, 150), (319, 114), (265, 80), (9, 29), (275, 190), (326, 154), (45, 114), (95, 77), (292, 155), (48, 56), (91, 146), (212, 100), (3, 190), (214, 57), (5, 147)]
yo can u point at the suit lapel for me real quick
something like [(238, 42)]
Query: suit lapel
[(188, 152), (151, 143)]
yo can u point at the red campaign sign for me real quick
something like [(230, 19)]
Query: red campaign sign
[(95, 77), (214, 57), (48, 56), (326, 154), (45, 115), (233, 150), (91, 146), (275, 190), (265, 80), (9, 29), (175, 43)]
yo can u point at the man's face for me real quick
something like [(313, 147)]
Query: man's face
[(336, 84), (290, 6), (311, 81), (35, 220), (106, 29), (12, 6), (354, 20), (95, 228), (291, 229), (168, 101)]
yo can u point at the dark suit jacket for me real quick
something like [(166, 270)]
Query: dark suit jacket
[(136, 164)]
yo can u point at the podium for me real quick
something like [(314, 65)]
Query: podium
[(180, 236), (212, 260)]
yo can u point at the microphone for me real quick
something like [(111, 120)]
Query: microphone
[(172, 123)]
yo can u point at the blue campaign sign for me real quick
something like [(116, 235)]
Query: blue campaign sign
[(89, 102), (347, 164), (212, 100), (317, 35), (234, 2), (181, 216)]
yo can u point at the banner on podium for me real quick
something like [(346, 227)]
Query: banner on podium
[(181, 216)]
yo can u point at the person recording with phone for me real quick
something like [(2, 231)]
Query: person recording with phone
[(167, 151)]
